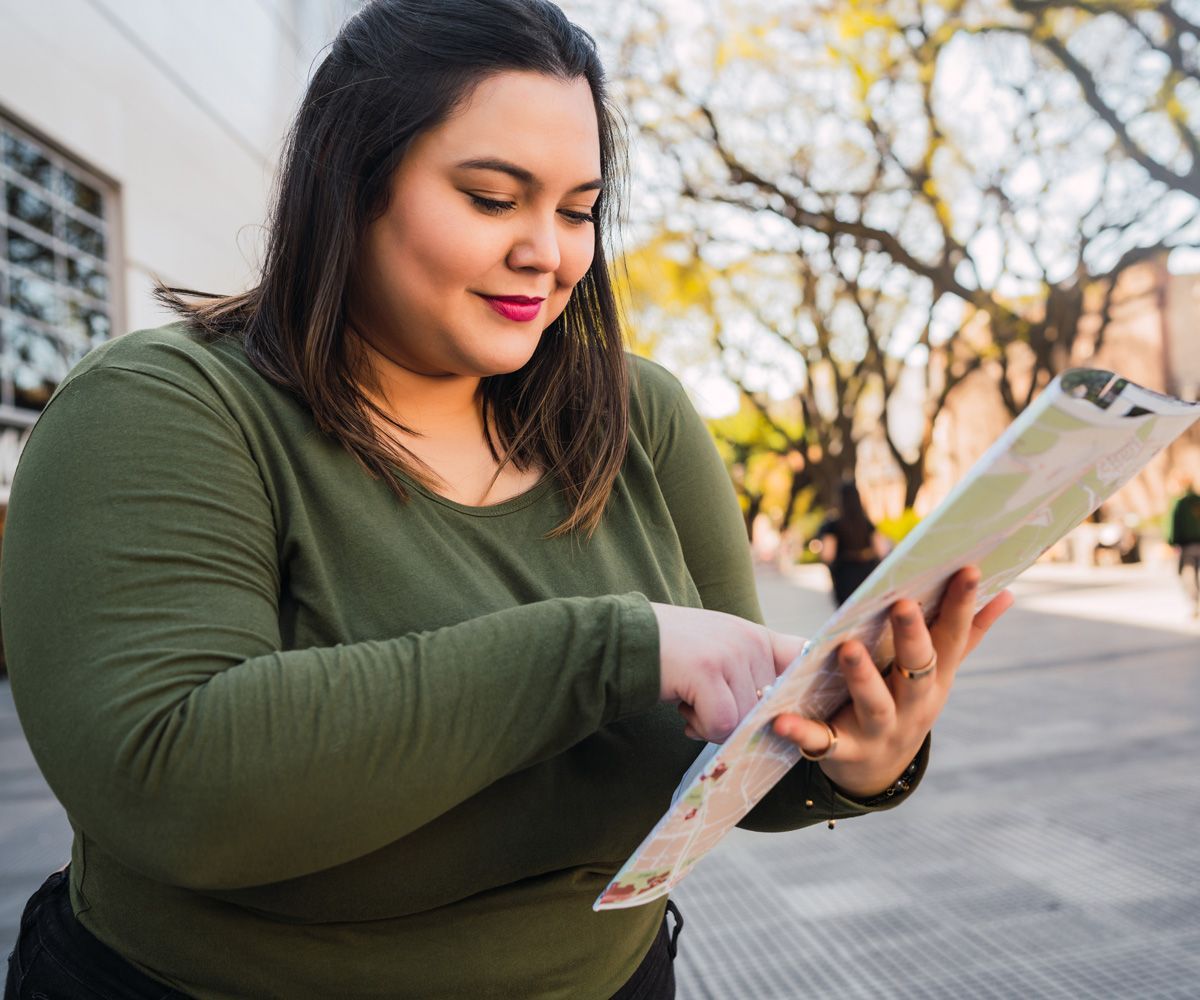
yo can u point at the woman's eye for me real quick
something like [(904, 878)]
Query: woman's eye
[(493, 207), (490, 206)]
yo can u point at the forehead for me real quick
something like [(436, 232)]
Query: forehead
[(542, 123)]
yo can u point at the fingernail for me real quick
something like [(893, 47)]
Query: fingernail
[(851, 657), (906, 619)]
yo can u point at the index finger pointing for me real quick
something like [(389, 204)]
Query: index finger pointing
[(785, 648)]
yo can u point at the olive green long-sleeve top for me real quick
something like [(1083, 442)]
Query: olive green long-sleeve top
[(315, 742)]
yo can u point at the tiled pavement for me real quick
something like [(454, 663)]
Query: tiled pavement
[(1052, 851)]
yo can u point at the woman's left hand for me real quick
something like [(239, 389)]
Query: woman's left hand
[(881, 728)]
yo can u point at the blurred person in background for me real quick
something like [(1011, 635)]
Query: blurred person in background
[(400, 595), (1184, 534), (850, 545)]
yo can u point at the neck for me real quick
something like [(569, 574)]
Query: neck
[(431, 404)]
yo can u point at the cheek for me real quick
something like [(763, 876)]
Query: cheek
[(577, 257), (431, 242)]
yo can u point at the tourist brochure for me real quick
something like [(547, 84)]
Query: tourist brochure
[(1087, 434)]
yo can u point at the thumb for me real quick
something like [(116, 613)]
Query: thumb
[(812, 737)]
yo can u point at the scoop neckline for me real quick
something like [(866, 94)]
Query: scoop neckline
[(509, 506)]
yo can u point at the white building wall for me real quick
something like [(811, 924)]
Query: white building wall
[(1183, 335), (182, 106)]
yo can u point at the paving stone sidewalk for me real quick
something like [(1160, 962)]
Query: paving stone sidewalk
[(1052, 851)]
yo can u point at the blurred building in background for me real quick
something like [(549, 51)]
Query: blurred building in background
[(1152, 338), (137, 141)]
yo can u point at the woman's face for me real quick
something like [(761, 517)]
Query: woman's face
[(495, 202)]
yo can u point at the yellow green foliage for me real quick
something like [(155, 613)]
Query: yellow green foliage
[(856, 19), (749, 44), (661, 283), (658, 276), (760, 457), (895, 528), (749, 429)]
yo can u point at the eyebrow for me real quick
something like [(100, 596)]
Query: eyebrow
[(521, 174)]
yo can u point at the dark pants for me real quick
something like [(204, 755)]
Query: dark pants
[(1189, 569), (654, 979), (56, 958)]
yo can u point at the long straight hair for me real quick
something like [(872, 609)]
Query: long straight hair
[(396, 69)]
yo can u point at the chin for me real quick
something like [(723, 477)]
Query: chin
[(504, 362)]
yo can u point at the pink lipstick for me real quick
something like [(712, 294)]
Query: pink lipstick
[(519, 308)]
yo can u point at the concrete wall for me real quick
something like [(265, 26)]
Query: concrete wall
[(182, 106)]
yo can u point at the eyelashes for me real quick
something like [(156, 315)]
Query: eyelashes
[(492, 207)]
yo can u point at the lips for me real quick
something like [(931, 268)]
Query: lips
[(518, 308)]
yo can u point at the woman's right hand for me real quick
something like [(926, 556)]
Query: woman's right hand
[(714, 666)]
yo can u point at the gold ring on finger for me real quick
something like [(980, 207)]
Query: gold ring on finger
[(833, 738), (923, 671)]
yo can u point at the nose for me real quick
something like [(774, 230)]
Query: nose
[(536, 247)]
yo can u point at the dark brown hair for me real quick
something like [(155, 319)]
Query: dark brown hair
[(396, 69)]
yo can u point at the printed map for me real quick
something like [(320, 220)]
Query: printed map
[(1087, 434)]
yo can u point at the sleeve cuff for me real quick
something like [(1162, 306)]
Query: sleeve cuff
[(639, 662), (890, 798)]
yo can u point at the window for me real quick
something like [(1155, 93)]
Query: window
[(55, 280)]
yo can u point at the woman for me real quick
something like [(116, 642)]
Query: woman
[(850, 545), (396, 589)]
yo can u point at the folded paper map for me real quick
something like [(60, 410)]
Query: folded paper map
[(1084, 437)]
